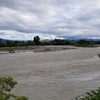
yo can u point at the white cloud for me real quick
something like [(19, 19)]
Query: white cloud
[(14, 35), (23, 19)]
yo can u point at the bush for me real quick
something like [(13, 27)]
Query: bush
[(93, 95), (6, 85), (98, 55)]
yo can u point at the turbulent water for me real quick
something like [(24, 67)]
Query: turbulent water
[(58, 75)]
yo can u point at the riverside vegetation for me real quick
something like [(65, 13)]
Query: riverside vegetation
[(6, 85), (93, 95), (98, 55), (36, 41), (10, 46)]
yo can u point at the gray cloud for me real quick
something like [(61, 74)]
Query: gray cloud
[(23, 19)]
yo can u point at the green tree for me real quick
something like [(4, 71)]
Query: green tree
[(6, 85), (37, 40), (2, 44)]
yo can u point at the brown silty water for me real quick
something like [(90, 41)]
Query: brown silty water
[(57, 75)]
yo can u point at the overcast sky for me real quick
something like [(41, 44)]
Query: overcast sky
[(49, 19)]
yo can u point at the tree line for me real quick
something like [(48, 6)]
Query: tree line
[(36, 41)]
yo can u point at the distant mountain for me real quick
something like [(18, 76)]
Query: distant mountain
[(77, 39), (47, 40), (3, 40)]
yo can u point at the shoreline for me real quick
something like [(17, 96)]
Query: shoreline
[(40, 49)]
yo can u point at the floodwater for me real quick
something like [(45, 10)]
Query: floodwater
[(57, 75)]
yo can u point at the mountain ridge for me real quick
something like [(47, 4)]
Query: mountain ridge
[(69, 39)]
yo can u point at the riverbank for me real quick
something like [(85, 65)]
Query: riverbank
[(7, 50)]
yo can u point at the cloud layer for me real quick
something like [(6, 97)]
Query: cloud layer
[(24, 19)]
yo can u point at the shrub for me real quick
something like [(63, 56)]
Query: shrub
[(93, 95), (6, 85), (98, 55)]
